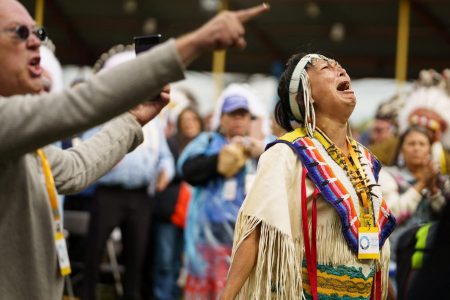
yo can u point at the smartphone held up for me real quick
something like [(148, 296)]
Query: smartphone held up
[(146, 42)]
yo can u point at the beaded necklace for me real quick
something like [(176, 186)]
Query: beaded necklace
[(355, 172)]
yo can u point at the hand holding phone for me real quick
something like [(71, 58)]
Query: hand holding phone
[(144, 43)]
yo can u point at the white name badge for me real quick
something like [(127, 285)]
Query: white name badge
[(230, 189), (63, 256), (368, 243)]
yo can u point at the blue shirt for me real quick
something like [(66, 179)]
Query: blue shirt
[(140, 168)]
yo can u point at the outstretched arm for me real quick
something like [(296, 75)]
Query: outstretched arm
[(31, 122)]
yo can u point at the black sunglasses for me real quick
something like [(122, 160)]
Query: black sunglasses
[(23, 32)]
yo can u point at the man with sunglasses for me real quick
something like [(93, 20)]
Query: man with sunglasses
[(22, 32), (31, 243)]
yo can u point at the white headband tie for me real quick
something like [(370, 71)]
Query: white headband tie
[(298, 75)]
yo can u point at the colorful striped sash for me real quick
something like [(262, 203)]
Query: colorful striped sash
[(333, 190)]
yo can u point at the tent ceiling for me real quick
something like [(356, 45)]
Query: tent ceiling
[(83, 29)]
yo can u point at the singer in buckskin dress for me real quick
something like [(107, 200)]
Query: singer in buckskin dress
[(314, 225)]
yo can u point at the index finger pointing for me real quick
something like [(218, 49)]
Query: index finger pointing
[(245, 15)]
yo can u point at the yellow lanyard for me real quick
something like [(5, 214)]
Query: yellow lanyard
[(61, 248), (50, 185)]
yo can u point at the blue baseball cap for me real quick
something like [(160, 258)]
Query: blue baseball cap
[(234, 102)]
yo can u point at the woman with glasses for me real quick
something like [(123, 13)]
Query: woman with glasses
[(314, 225)]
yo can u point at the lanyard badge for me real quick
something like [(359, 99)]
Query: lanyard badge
[(60, 242), (63, 256), (368, 237), (368, 243), (368, 231)]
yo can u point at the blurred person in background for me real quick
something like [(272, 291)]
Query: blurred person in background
[(383, 139), (31, 227), (426, 105), (431, 280), (220, 166), (124, 199), (180, 98), (170, 213), (381, 130), (260, 129), (415, 192), (417, 179), (427, 265), (52, 76)]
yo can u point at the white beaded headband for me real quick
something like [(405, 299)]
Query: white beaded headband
[(298, 75)]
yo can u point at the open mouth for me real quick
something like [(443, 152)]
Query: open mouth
[(344, 86), (34, 66), (35, 61)]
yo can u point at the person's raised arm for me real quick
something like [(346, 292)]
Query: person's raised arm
[(30, 122)]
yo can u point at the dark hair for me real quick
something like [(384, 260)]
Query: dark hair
[(197, 115), (182, 139), (411, 129), (283, 113)]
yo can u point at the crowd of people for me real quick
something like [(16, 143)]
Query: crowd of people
[(222, 208), (33, 249)]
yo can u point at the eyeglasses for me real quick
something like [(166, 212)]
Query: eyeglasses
[(22, 32)]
